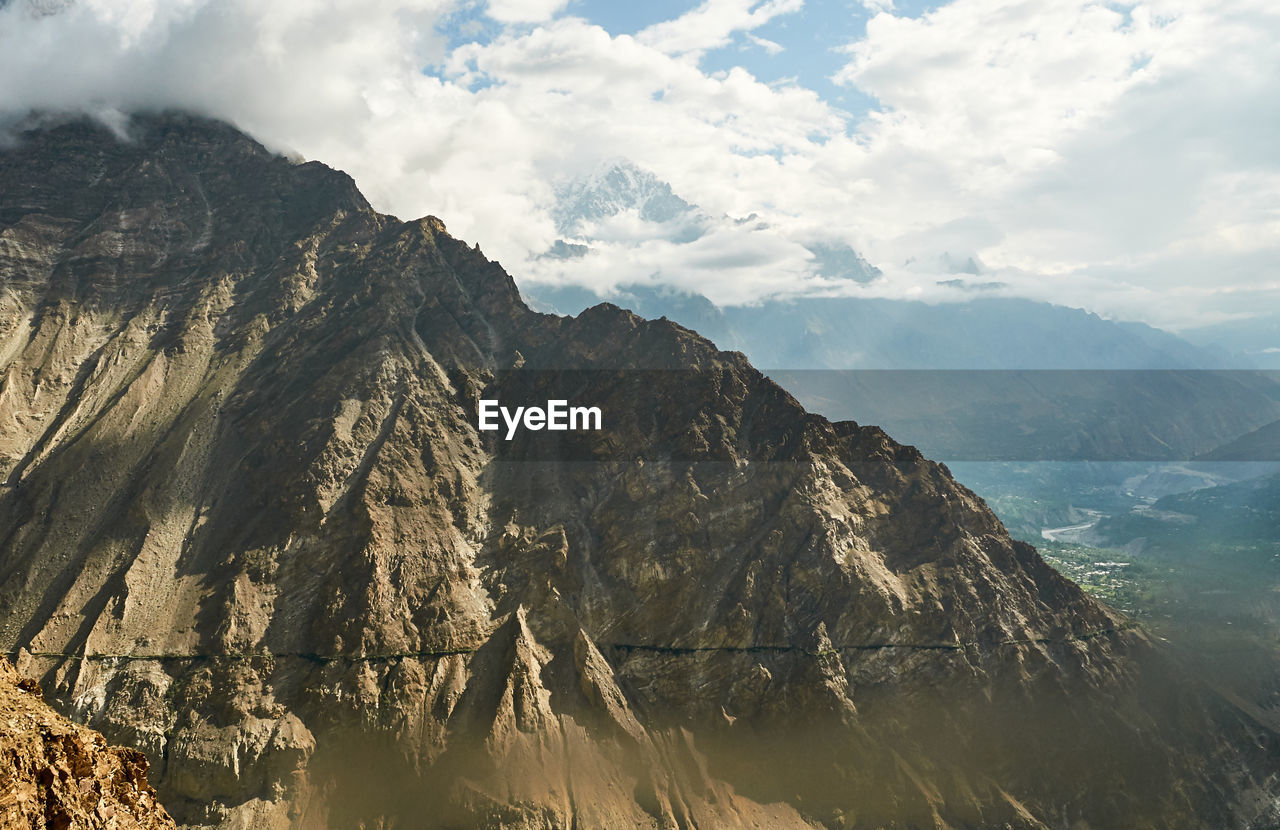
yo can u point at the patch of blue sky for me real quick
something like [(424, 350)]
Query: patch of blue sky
[(813, 43), (627, 18), (468, 23), (812, 40)]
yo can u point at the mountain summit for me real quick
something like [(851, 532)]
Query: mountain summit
[(620, 204), (616, 187), (249, 527)]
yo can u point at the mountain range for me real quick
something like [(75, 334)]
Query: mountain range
[(984, 333), (250, 527), (990, 379)]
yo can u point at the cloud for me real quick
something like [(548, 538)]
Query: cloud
[(1110, 148), (524, 11), (728, 262), (1120, 158), (580, 95), (288, 69), (713, 24), (769, 46), (480, 143)]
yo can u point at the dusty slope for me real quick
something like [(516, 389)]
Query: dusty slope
[(250, 528), (56, 774)]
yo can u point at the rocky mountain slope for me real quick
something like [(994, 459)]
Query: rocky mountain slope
[(54, 773), (249, 526)]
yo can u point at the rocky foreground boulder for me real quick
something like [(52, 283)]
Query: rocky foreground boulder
[(250, 527), (54, 773)]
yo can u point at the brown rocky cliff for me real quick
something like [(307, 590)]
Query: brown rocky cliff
[(249, 527), (56, 774)]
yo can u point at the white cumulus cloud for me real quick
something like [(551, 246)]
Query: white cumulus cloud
[(524, 11), (713, 24)]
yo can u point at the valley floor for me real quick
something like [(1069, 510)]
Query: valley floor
[(1205, 583)]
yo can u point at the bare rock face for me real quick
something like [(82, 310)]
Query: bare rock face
[(249, 526), (56, 774)]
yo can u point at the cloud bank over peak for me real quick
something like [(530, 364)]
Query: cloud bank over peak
[(282, 69), (1119, 157)]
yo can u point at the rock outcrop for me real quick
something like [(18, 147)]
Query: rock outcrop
[(249, 526), (56, 774)]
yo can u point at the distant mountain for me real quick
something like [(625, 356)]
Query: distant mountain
[(985, 380), (1050, 415), (1242, 512), (857, 333), (1256, 339), (1262, 444), (619, 186)]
